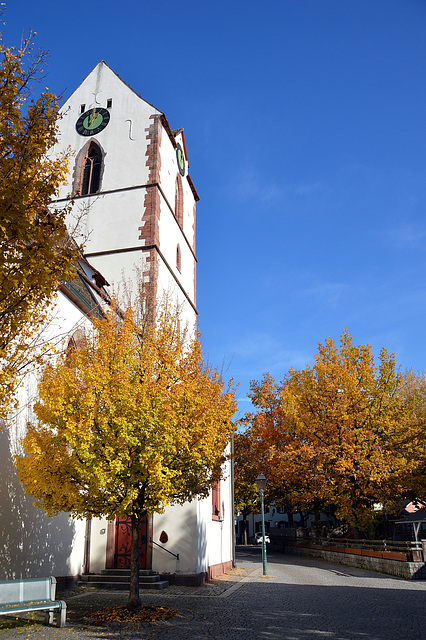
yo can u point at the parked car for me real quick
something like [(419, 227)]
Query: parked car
[(258, 538)]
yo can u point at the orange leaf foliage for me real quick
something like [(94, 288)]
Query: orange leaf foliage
[(340, 432)]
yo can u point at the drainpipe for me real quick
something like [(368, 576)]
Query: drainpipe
[(88, 534), (233, 502)]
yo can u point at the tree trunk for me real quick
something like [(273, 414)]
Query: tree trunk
[(317, 512), (134, 599), (245, 527)]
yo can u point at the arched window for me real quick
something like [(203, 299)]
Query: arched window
[(91, 170), (179, 200), (178, 258)]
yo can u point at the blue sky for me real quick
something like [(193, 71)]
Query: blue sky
[(305, 126)]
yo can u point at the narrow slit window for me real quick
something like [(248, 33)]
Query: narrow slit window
[(82, 108), (109, 103), (216, 511), (178, 259)]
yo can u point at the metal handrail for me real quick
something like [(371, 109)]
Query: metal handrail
[(176, 555), (385, 545)]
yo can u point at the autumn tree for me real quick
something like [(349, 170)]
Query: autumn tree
[(342, 432), (255, 452), (135, 421), (413, 391), (35, 251), (290, 480)]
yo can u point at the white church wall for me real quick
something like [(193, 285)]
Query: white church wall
[(224, 552), (218, 532), (169, 171), (169, 168), (188, 202), (98, 543), (33, 545), (171, 236), (179, 523), (167, 286), (113, 221), (76, 557)]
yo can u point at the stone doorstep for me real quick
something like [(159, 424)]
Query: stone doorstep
[(124, 586), (106, 578), (117, 579)]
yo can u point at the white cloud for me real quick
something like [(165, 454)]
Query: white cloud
[(305, 189), (249, 184), (258, 351), (406, 236), (329, 293)]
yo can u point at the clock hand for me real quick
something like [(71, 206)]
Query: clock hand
[(93, 117)]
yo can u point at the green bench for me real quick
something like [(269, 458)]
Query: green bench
[(36, 594)]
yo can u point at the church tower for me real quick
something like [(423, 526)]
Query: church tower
[(129, 175), (129, 178)]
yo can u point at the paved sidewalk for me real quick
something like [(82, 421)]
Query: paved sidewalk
[(299, 599), (190, 602)]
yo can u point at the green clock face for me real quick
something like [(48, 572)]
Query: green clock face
[(180, 160), (92, 122)]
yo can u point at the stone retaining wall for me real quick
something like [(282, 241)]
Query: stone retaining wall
[(399, 568)]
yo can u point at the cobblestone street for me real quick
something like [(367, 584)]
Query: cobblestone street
[(300, 599)]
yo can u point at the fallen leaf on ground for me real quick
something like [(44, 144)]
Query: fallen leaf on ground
[(123, 614)]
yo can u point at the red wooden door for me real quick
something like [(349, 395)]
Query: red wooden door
[(123, 539)]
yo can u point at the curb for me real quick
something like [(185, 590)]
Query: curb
[(239, 584)]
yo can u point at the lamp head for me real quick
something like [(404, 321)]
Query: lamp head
[(261, 482)]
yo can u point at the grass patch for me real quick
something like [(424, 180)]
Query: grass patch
[(18, 622)]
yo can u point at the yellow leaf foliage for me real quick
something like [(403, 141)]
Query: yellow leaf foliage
[(128, 423), (35, 251)]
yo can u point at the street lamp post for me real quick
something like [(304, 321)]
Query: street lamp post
[(261, 485)]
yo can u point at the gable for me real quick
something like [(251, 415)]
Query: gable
[(124, 137)]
